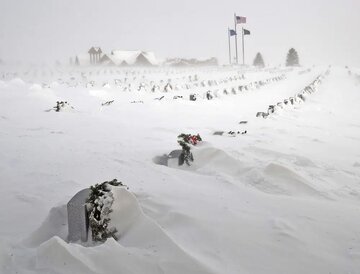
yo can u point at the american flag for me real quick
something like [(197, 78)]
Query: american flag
[(240, 20)]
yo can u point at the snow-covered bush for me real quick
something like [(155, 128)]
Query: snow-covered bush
[(61, 105), (185, 141), (99, 207)]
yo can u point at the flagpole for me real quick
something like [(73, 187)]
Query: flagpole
[(229, 46), (236, 47), (243, 48)]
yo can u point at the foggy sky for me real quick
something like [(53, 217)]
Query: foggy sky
[(322, 31)]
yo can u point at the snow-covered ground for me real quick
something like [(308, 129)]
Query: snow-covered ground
[(283, 198)]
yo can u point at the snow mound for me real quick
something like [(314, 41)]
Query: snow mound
[(67, 108), (212, 161), (55, 224), (143, 246), (279, 179), (17, 82), (210, 158), (35, 87), (273, 178), (111, 257), (2, 84), (101, 94), (37, 92), (54, 84)]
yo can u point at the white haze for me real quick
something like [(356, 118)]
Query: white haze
[(42, 31)]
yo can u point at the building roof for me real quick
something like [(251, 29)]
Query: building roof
[(120, 58), (95, 50), (134, 57), (108, 59)]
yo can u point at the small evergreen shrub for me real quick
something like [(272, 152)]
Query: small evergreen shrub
[(185, 140), (99, 207)]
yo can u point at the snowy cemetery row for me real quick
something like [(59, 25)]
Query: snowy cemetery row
[(132, 80), (208, 94), (45, 73), (48, 74), (214, 88), (297, 98)]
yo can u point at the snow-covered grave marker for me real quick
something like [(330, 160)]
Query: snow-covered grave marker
[(78, 219), (61, 106), (160, 98), (106, 85), (280, 104), (173, 155), (107, 103), (262, 114), (117, 82), (209, 95), (192, 97)]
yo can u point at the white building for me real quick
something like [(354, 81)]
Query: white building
[(117, 58)]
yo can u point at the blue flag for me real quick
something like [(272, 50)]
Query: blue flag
[(246, 32), (232, 32)]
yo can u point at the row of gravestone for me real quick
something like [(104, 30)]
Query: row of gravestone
[(193, 97), (254, 85), (209, 95), (168, 87), (297, 98), (84, 73), (70, 82), (192, 82)]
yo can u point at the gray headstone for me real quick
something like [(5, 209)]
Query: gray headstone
[(192, 97), (78, 220), (175, 154)]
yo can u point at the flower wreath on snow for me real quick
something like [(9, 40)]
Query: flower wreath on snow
[(99, 207), (185, 140)]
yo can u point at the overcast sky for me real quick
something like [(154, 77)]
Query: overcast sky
[(322, 31)]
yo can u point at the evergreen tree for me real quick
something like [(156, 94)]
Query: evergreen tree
[(259, 61), (292, 58)]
